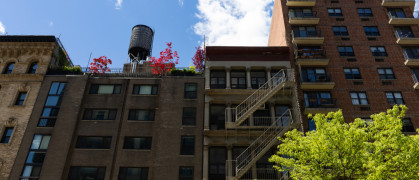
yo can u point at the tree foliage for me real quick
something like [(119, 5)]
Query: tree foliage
[(166, 61), (100, 65), (199, 58), (358, 150)]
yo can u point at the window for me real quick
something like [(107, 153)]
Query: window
[(52, 104), (396, 13), (217, 117), (35, 158), (9, 68), (20, 99), (394, 98), (86, 173), (404, 32), (137, 143), (340, 31), (309, 52), (190, 90), (99, 114), (300, 12), (217, 161), (7, 133), (126, 173), (314, 75), (32, 68), (346, 51), (371, 31), (334, 12), (386, 73), (141, 115), (105, 89), (258, 78), (186, 173), (365, 12), (352, 73), (411, 52), (218, 79), (187, 145), (145, 89), (378, 51), (238, 79), (407, 125), (93, 142), (359, 98), (304, 31), (311, 125), (189, 116), (318, 99)]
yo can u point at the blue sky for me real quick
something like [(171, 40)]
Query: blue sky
[(103, 27)]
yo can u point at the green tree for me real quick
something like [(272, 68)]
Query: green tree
[(358, 150)]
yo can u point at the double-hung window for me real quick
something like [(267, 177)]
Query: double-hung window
[(52, 104), (335, 12), (7, 133), (20, 98), (378, 51), (314, 75), (304, 31), (340, 31), (186, 173), (85, 173), (190, 90), (218, 79), (394, 98), (131, 173), (137, 143), (105, 89), (408, 125), (238, 79), (352, 73), (364, 12), (189, 116), (36, 156), (318, 99), (258, 78), (386, 73), (371, 31), (99, 114), (359, 98), (300, 12), (94, 142), (187, 145), (145, 89), (141, 115), (346, 51)]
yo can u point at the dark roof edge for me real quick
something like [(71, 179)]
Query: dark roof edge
[(27, 38)]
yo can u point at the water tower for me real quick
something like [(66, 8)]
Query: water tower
[(140, 45)]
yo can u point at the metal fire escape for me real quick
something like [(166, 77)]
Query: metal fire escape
[(244, 162)]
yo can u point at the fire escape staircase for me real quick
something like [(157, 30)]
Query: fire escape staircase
[(244, 162)]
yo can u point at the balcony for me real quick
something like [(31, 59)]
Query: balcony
[(415, 80), (308, 37), (319, 82), (411, 60), (395, 20), (311, 57), (399, 3), (301, 18), (303, 3), (322, 105), (406, 38)]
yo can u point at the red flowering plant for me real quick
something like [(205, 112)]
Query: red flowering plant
[(100, 65), (199, 58), (166, 61)]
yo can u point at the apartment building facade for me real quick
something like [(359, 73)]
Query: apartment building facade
[(115, 126), (24, 61), (358, 56), (249, 101)]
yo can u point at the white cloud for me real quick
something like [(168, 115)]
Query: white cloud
[(234, 22), (181, 3), (51, 24), (2, 28), (118, 4)]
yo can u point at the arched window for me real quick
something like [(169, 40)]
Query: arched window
[(32, 68), (9, 68)]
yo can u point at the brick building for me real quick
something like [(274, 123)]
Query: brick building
[(358, 56), (24, 61)]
